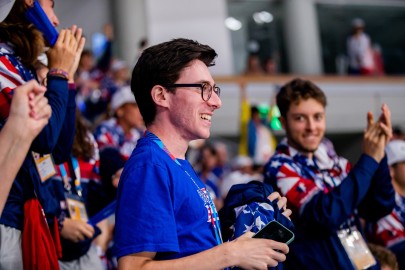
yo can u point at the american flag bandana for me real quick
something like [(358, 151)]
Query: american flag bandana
[(300, 178), (12, 74)]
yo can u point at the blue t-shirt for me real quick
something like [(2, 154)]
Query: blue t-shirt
[(159, 208)]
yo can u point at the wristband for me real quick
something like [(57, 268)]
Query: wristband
[(72, 86), (56, 72)]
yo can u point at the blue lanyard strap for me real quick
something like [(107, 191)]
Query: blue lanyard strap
[(74, 169), (202, 192)]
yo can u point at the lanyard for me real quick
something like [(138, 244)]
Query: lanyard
[(74, 171), (212, 211)]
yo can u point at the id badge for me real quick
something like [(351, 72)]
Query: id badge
[(356, 248), (45, 166), (76, 207)]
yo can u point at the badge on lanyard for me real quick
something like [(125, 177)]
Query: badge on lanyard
[(45, 166), (76, 207), (356, 248)]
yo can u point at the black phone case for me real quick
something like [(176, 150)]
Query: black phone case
[(276, 231)]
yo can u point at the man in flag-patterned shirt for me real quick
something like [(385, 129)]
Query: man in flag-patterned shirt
[(324, 192)]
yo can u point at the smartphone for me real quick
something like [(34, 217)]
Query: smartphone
[(276, 231), (39, 19)]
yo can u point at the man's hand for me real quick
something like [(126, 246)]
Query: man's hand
[(377, 134), (281, 203), (66, 52), (77, 32), (29, 111), (255, 253), (76, 230)]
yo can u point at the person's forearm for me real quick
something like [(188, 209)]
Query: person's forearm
[(13, 150), (218, 257)]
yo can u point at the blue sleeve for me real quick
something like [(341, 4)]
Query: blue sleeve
[(63, 148), (380, 200), (329, 210), (145, 218), (399, 251), (57, 94)]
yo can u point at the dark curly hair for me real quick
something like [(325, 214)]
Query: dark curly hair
[(296, 90)]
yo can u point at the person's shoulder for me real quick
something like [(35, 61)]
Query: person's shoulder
[(147, 153), (278, 160)]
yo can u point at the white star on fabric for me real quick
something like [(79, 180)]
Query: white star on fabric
[(259, 223), (275, 164), (248, 228), (246, 211), (266, 206), (310, 162), (302, 187), (239, 209)]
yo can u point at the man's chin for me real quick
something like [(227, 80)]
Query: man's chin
[(308, 149)]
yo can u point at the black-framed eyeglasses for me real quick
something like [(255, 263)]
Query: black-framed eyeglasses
[(206, 89)]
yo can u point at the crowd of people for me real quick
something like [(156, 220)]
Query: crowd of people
[(102, 169)]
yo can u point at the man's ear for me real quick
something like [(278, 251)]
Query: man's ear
[(119, 112), (160, 95)]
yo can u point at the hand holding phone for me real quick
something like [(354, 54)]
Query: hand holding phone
[(276, 231), (40, 20)]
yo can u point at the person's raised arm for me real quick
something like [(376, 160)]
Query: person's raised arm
[(381, 192), (62, 151), (29, 113), (328, 210), (332, 209), (60, 60)]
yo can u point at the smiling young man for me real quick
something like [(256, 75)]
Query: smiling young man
[(326, 195), (165, 218)]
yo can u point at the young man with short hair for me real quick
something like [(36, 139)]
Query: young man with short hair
[(165, 217), (328, 196)]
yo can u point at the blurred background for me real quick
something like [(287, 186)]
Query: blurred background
[(281, 39)]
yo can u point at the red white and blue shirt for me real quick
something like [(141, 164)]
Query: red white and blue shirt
[(300, 178), (110, 134), (390, 230)]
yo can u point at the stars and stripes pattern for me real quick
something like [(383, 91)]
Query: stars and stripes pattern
[(300, 178), (12, 74), (252, 217), (390, 230), (110, 134)]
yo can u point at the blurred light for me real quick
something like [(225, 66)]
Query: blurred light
[(99, 41), (275, 123), (253, 46), (233, 24), (262, 17)]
